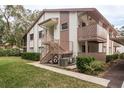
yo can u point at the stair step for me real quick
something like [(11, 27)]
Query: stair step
[(55, 48)]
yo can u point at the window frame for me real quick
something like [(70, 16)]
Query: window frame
[(31, 36), (40, 35), (83, 24), (66, 27), (32, 49)]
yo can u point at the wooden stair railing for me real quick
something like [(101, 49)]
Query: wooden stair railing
[(46, 58), (54, 49)]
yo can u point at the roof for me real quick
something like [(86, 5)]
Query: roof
[(69, 9), (93, 10)]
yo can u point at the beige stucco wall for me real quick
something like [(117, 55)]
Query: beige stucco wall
[(73, 24), (57, 28), (36, 43), (121, 49)]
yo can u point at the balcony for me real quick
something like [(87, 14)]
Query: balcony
[(92, 33), (118, 39)]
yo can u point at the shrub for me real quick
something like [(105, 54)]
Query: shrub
[(95, 67), (10, 52), (88, 65), (108, 58), (82, 62), (31, 56), (2, 52), (113, 57), (121, 56)]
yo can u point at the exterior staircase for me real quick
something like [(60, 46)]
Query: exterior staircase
[(52, 56)]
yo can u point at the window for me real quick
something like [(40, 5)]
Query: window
[(64, 26), (110, 50), (31, 49), (104, 49), (83, 24), (31, 36), (39, 49), (40, 34)]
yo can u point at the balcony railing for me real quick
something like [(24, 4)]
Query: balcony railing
[(97, 55), (67, 46), (92, 33)]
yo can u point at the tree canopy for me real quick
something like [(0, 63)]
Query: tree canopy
[(14, 22)]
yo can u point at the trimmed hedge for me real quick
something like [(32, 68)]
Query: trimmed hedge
[(31, 56), (10, 52), (113, 57), (88, 65)]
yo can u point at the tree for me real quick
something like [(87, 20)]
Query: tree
[(16, 20), (1, 29)]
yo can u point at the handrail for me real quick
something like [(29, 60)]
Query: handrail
[(92, 31), (45, 56)]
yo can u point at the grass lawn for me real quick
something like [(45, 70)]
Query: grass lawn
[(14, 72)]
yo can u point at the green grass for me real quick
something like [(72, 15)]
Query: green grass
[(14, 72)]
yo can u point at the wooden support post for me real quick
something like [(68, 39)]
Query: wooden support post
[(86, 47)]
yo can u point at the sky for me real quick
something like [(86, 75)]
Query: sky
[(113, 13), (112, 10)]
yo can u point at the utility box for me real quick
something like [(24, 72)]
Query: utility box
[(64, 62)]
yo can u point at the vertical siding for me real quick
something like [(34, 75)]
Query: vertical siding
[(64, 35)]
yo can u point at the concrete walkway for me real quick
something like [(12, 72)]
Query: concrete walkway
[(100, 81)]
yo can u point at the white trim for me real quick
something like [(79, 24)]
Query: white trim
[(73, 24), (122, 85)]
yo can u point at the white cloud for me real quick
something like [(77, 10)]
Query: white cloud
[(114, 13)]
